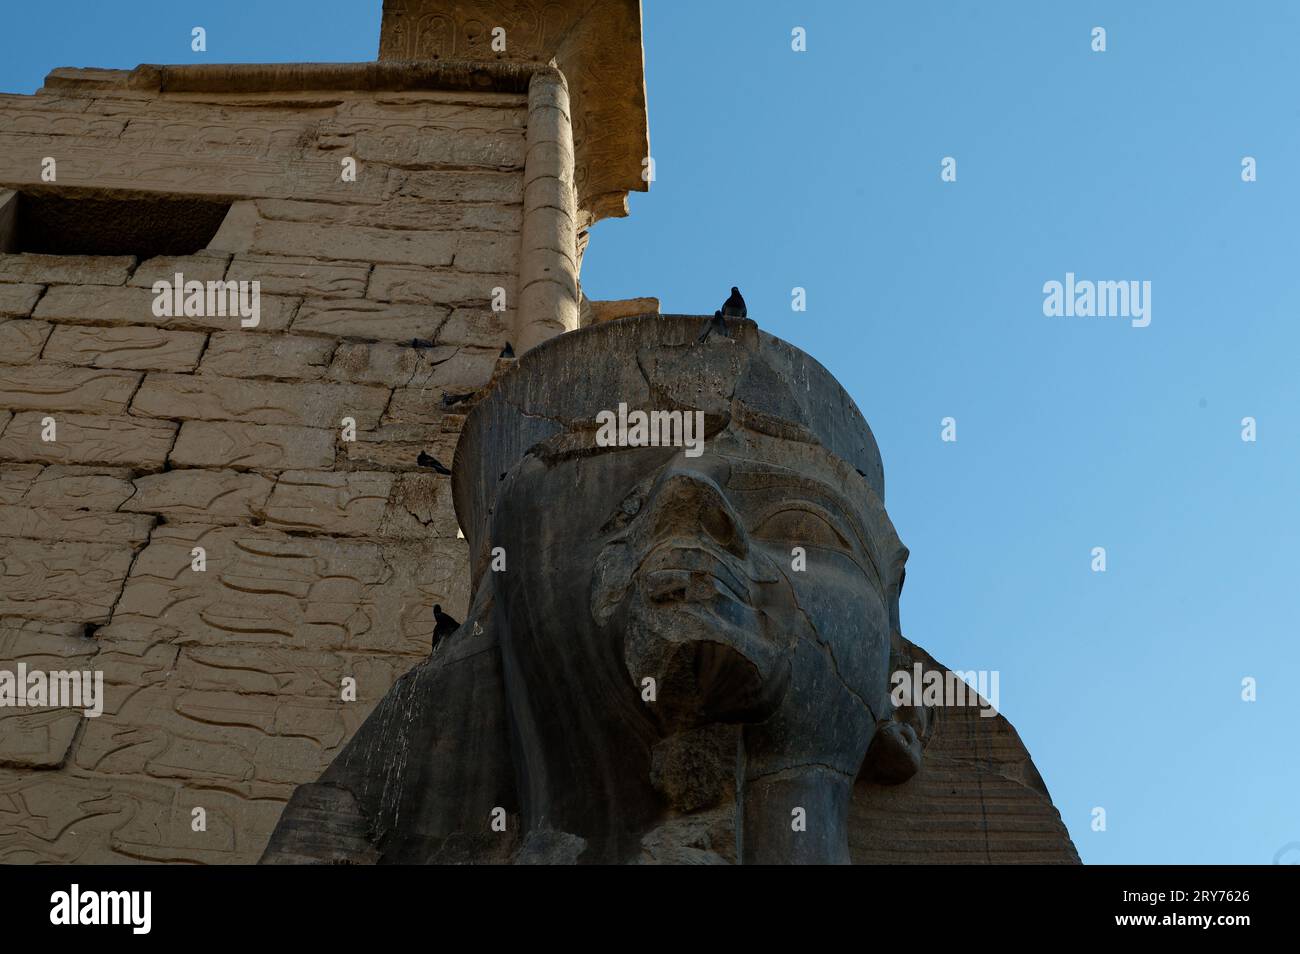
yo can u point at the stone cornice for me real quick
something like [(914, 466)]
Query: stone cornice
[(595, 43), (473, 75)]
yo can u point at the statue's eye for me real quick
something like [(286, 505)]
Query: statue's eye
[(800, 526)]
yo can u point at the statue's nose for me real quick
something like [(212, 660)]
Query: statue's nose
[(691, 502)]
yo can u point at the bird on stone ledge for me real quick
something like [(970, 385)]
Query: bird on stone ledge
[(451, 400), (444, 625), (733, 307), (428, 460)]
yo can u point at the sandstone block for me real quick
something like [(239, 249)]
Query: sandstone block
[(75, 488), (499, 187), (204, 496), (22, 339), (301, 277), (66, 269), (348, 503), (203, 267), (130, 347), (398, 446), (55, 387), (41, 579), (372, 320), (215, 398), (354, 243), (17, 301), (436, 217), (16, 479), (363, 503), (385, 363), (474, 327), (134, 306), (438, 286), (84, 439), (40, 523), (238, 355), (252, 446)]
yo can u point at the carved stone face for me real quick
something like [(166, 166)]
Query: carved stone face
[(751, 583)]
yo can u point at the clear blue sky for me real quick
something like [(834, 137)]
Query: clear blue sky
[(821, 169)]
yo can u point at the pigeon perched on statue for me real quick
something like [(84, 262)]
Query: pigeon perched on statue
[(428, 460), (734, 307), (444, 625), (715, 324)]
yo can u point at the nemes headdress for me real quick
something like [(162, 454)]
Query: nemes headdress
[(651, 362)]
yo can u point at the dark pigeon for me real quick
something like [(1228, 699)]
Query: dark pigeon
[(450, 400), (715, 324), (734, 307), (507, 351), (428, 460), (444, 625), (420, 344)]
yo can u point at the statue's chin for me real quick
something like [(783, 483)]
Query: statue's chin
[(706, 650)]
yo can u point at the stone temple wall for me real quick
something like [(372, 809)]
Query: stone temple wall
[(324, 556)]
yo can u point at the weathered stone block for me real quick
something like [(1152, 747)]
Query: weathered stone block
[(212, 397), (354, 243), (16, 479), (55, 387), (204, 496), (500, 187), (134, 306), (21, 340), (76, 488), (395, 365), (439, 217), (438, 286), (474, 327), (372, 320), (125, 347), (83, 439), (203, 267), (351, 503), (363, 503), (66, 269), (301, 277), (40, 579), (398, 446), (239, 355), (17, 301), (40, 523), (252, 446)]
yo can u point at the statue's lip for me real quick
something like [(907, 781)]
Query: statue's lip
[(675, 566)]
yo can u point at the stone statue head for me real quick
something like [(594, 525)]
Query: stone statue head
[(680, 640), (675, 538)]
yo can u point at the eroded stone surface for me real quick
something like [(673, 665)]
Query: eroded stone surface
[(150, 349), (266, 447)]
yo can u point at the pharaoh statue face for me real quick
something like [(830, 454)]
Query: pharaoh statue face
[(749, 584)]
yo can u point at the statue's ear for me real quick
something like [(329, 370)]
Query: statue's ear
[(898, 746)]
